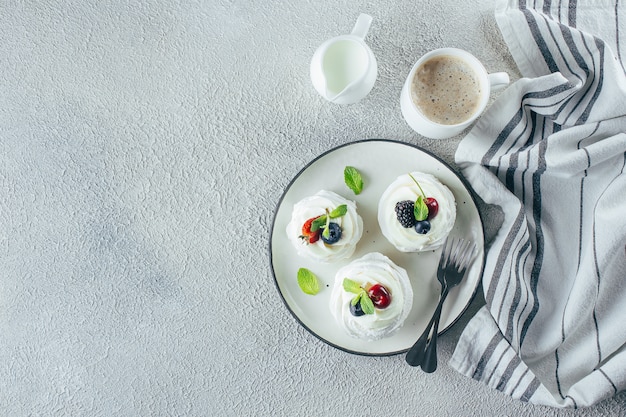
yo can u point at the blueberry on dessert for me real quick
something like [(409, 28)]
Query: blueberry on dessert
[(422, 227), (331, 233), (356, 310)]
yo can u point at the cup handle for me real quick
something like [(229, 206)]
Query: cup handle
[(362, 25), (498, 80)]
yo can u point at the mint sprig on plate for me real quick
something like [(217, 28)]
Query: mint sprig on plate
[(308, 281), (353, 179)]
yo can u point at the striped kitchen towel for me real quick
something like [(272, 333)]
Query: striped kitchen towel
[(551, 152)]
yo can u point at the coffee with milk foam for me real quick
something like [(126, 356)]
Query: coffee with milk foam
[(446, 90)]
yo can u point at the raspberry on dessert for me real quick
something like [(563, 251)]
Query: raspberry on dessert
[(404, 212), (307, 234)]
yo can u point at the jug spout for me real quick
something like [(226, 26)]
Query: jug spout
[(344, 95)]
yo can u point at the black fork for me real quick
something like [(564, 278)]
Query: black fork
[(455, 258)]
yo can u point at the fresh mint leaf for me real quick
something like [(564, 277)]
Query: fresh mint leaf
[(326, 231), (317, 223), (353, 179), (367, 305), (420, 211), (339, 211), (308, 281), (351, 286), (356, 299)]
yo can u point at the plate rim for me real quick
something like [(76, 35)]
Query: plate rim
[(463, 180)]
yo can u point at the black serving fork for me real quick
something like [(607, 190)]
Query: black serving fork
[(455, 258)]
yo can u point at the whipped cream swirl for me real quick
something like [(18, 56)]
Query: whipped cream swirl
[(373, 268), (404, 188), (351, 227)]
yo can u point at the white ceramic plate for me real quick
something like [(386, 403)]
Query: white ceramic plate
[(380, 162)]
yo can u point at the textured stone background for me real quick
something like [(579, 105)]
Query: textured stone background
[(143, 148)]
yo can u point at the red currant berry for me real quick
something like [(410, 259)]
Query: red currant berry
[(379, 295)]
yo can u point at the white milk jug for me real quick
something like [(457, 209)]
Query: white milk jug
[(344, 69)]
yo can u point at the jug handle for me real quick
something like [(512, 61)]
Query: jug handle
[(362, 25)]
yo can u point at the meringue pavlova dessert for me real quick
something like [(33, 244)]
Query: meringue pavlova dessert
[(325, 227), (371, 297), (416, 212)]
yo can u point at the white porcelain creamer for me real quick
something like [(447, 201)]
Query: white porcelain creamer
[(344, 69)]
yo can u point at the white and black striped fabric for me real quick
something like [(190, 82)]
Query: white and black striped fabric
[(551, 152)]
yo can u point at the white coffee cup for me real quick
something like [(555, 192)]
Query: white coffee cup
[(437, 130)]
